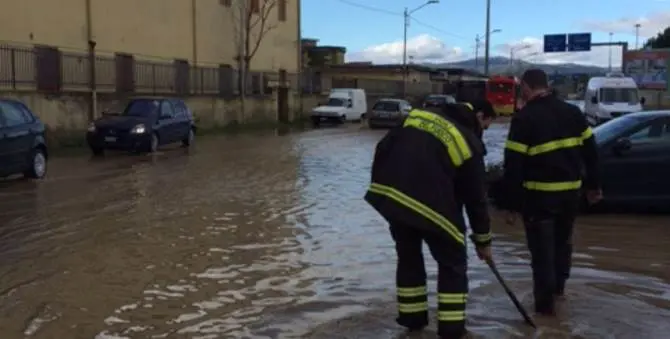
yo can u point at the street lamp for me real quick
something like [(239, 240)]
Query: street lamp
[(478, 43), (487, 45), (406, 15), (610, 52), (637, 36)]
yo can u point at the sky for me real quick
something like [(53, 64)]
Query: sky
[(372, 30)]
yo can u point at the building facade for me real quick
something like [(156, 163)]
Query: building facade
[(203, 32)]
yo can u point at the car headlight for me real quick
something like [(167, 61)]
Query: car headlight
[(139, 129), (91, 127)]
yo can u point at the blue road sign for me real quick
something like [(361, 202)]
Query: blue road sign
[(579, 42), (555, 43)]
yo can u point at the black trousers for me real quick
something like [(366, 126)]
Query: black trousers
[(452, 279), (549, 222)]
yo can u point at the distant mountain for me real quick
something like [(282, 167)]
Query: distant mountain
[(501, 65)]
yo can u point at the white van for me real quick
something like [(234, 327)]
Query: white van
[(611, 96), (344, 104)]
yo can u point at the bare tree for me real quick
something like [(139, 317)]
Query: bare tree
[(252, 21)]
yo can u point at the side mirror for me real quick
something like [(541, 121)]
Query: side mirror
[(622, 145), (643, 100), (594, 100), (350, 104)]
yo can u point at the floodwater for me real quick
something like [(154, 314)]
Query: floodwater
[(267, 236)]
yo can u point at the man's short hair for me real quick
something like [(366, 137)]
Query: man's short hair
[(485, 107), (535, 79)]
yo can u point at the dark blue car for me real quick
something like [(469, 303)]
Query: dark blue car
[(143, 126), (23, 148)]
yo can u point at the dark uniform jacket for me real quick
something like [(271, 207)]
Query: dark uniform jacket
[(424, 172), (550, 150)]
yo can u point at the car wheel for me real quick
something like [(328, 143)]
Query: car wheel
[(316, 121), (38, 164), (343, 119), (153, 147), (188, 140)]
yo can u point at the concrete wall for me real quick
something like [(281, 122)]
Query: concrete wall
[(201, 31), (67, 114)]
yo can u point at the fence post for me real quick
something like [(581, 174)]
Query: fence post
[(202, 80), (12, 60), (93, 104), (153, 78)]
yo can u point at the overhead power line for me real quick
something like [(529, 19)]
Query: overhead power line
[(370, 8)]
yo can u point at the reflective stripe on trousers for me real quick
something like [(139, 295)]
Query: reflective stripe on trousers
[(419, 208), (451, 307), (412, 299), (549, 146), (443, 130)]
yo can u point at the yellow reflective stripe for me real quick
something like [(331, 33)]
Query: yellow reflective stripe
[(451, 315), (452, 132), (420, 208), (553, 186), (555, 145), (588, 132), (482, 237), (412, 291), (413, 307), (469, 105), (452, 148), (516, 146), (452, 298)]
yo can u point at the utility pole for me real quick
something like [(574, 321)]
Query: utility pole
[(405, 16), (610, 52), (487, 37), (477, 52), (637, 36), (242, 66)]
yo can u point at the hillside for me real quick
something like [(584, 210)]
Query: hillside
[(502, 65)]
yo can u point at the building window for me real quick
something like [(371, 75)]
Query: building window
[(255, 6), (227, 3), (281, 11)]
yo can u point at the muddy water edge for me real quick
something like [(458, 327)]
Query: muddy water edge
[(266, 236)]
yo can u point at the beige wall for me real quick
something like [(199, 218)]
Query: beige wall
[(155, 28)]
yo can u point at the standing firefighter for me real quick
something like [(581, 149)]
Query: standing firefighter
[(422, 175), (549, 149)]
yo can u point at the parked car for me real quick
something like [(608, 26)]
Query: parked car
[(143, 126), (635, 158), (634, 152), (438, 99), (388, 113), (23, 148)]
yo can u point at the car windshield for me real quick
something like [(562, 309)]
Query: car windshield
[(611, 95), (440, 99), (142, 108), (614, 128), (501, 87), (337, 102), (391, 106)]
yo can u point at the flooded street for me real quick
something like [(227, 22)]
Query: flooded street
[(267, 236)]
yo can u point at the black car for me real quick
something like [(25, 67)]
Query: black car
[(635, 158), (143, 126), (634, 152), (438, 100), (23, 148)]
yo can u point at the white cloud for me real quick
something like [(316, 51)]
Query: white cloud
[(427, 48), (530, 49), (650, 25), (422, 48)]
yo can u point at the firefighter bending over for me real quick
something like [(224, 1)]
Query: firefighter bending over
[(422, 175)]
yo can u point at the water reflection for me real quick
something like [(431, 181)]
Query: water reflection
[(266, 235)]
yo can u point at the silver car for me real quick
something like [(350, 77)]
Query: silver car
[(388, 113)]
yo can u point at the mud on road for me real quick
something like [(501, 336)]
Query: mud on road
[(267, 236)]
